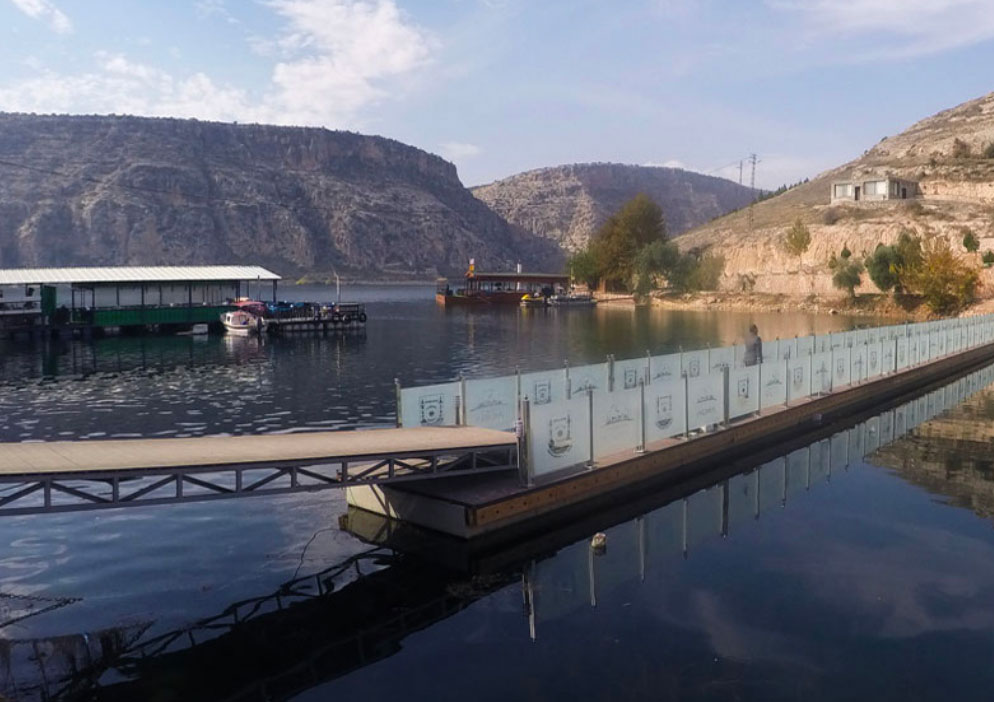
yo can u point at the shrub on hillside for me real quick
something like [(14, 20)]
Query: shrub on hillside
[(989, 150), (970, 241), (960, 148), (845, 271), (988, 258), (831, 216)]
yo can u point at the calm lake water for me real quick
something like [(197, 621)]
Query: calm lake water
[(873, 584)]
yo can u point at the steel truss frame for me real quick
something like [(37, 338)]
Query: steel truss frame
[(43, 493)]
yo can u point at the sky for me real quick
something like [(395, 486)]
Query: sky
[(503, 86)]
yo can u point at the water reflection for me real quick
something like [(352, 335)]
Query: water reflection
[(781, 579)]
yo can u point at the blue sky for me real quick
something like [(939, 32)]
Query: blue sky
[(503, 86)]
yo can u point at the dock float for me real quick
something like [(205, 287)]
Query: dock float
[(499, 507), (74, 475)]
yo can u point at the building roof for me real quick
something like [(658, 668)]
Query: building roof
[(514, 277), (132, 274)]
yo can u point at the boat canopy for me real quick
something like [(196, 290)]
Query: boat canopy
[(532, 278)]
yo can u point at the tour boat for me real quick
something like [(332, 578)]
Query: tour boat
[(499, 288)]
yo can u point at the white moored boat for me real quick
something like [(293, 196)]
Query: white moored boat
[(242, 323)]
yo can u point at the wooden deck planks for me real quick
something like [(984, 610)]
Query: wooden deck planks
[(129, 454)]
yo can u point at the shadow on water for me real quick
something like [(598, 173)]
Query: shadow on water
[(677, 559)]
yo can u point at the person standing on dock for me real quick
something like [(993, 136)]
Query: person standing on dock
[(753, 347)]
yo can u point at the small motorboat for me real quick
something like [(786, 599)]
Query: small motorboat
[(243, 323)]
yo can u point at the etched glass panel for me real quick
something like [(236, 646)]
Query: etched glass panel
[(787, 349), (858, 364), (544, 388), (616, 421), (743, 391), (903, 358), (665, 410), (821, 372), (694, 364), (587, 378), (429, 405), (841, 367), (559, 435), (805, 345), (705, 401), (874, 362), (773, 384), (492, 403), (721, 358), (799, 377), (665, 368), (628, 373)]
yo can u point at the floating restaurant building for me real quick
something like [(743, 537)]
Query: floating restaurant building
[(36, 299)]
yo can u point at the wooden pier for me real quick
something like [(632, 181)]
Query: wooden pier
[(73, 475)]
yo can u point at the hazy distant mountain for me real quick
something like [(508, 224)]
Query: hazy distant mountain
[(568, 203), (951, 157), (127, 190)]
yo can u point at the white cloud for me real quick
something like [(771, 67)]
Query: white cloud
[(458, 151), (46, 12), (672, 163), (915, 27), (336, 59)]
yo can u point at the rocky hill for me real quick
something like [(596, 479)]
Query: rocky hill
[(945, 154), (568, 203), (126, 190)]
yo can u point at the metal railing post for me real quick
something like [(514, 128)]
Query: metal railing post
[(590, 426), (641, 444), (523, 432), (610, 372), (725, 412), (396, 385), (462, 401), (686, 404)]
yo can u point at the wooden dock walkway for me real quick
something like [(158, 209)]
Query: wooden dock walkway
[(70, 475)]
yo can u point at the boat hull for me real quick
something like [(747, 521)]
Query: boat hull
[(512, 298)]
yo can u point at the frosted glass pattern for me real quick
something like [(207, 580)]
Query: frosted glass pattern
[(616, 421), (787, 349), (743, 391), (544, 388), (721, 358), (492, 403), (629, 373), (805, 346), (560, 435), (799, 377), (821, 372), (705, 401), (665, 368), (874, 362), (694, 364), (665, 410), (858, 363), (429, 406), (773, 384), (587, 378), (902, 359)]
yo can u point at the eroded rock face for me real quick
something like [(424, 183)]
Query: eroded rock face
[(956, 194), (568, 203), (138, 191)]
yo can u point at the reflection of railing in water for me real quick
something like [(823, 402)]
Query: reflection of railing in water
[(577, 574), (330, 631)]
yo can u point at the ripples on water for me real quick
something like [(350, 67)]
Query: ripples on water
[(715, 619)]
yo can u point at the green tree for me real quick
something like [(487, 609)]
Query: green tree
[(945, 282), (797, 239), (846, 271), (970, 241), (652, 261), (696, 270), (618, 242), (584, 266), (988, 258), (883, 267)]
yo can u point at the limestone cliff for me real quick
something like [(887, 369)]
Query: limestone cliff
[(945, 154), (568, 203), (126, 190)]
